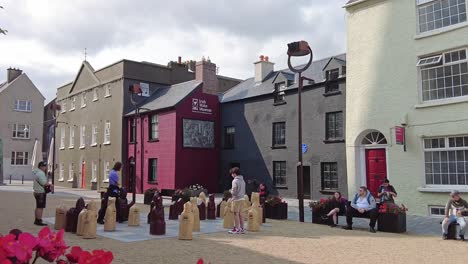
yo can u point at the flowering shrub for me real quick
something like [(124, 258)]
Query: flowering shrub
[(274, 200), (392, 208), (320, 205), (19, 248)]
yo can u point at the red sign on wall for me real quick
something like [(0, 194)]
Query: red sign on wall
[(400, 135)]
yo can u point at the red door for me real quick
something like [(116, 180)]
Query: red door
[(376, 169), (83, 175)]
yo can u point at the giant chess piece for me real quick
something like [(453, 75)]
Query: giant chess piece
[(228, 220), (202, 210), (211, 215), (134, 216), (157, 224), (253, 224), (72, 216), (255, 198), (89, 221), (102, 211), (123, 205), (262, 204), (222, 208), (79, 225), (152, 204), (196, 215), (174, 209), (245, 208), (111, 216), (186, 222), (202, 197), (218, 209), (60, 217)]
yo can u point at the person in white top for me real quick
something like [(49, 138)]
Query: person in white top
[(363, 205)]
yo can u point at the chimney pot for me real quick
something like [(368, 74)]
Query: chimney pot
[(179, 60), (263, 68), (266, 58), (262, 57), (12, 74)]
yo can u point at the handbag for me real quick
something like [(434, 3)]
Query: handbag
[(48, 188)]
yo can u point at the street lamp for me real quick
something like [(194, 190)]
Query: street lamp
[(133, 90), (299, 49), (55, 111)]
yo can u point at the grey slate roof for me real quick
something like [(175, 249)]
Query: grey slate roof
[(249, 89), (168, 96), (3, 86)]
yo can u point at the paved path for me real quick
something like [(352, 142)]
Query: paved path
[(419, 225)]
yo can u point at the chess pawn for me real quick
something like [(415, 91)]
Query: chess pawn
[(123, 204), (196, 215), (60, 217), (89, 221), (253, 224), (257, 207), (173, 211), (111, 216), (202, 197), (245, 209), (186, 222), (157, 222), (79, 226), (228, 219), (222, 208), (202, 210), (255, 197), (211, 210), (134, 216)]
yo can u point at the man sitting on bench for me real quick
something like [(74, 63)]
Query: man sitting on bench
[(363, 205), (454, 210)]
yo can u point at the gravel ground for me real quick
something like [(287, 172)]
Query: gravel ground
[(283, 242)]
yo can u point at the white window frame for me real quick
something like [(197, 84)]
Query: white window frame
[(420, 3), (440, 207), (83, 100), (25, 158), (445, 148), (72, 137), (428, 61), (94, 171), (82, 136), (94, 134), (108, 92), (61, 172), (62, 137), (107, 133), (27, 104), (16, 130), (95, 94), (64, 106), (71, 172), (72, 103), (106, 171), (156, 130)]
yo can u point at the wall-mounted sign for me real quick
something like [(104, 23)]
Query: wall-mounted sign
[(145, 89), (200, 106), (198, 133), (304, 148), (400, 135)]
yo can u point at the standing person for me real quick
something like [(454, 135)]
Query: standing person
[(337, 206), (262, 191), (39, 185), (387, 192), (363, 205), (238, 192), (112, 191), (453, 213)]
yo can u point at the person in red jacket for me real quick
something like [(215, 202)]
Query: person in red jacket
[(262, 191)]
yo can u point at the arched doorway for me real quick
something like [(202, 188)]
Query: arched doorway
[(373, 159)]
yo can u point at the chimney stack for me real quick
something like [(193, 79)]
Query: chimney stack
[(263, 67), (205, 71), (179, 60), (12, 74)]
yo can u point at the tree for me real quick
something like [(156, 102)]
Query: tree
[(3, 31)]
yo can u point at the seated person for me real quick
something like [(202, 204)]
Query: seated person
[(363, 205), (337, 205), (454, 209), (262, 191), (386, 192)]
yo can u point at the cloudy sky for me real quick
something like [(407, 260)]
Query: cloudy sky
[(47, 38)]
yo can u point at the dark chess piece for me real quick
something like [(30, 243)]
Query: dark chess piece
[(218, 209), (123, 206), (202, 210), (174, 210), (211, 215), (72, 216), (152, 205), (102, 211), (157, 221), (262, 204)]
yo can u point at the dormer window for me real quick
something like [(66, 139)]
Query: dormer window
[(279, 93), (331, 79)]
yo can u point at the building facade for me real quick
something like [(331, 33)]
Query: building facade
[(90, 131), (21, 116), (408, 76), (259, 126)]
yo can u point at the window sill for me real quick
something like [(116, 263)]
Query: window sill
[(326, 94), (279, 147), (154, 140), (132, 142), (82, 147), (443, 189), (332, 141), (328, 191), (107, 96), (70, 180), (94, 181), (83, 106), (24, 111), (95, 100), (71, 110), (71, 147), (62, 148), (63, 112), (279, 103), (105, 181), (440, 31), (106, 143), (281, 187), (61, 180), (442, 102), (94, 145), (153, 182), (17, 138)]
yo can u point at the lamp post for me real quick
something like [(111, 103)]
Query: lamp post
[(55, 108), (299, 49), (133, 90)]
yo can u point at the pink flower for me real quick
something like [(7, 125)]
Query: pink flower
[(96, 257), (22, 248), (51, 245), (200, 261), (74, 254)]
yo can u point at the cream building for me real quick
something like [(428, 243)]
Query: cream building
[(408, 67)]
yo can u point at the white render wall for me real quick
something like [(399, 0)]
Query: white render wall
[(384, 87)]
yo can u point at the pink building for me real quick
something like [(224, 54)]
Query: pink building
[(177, 135)]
